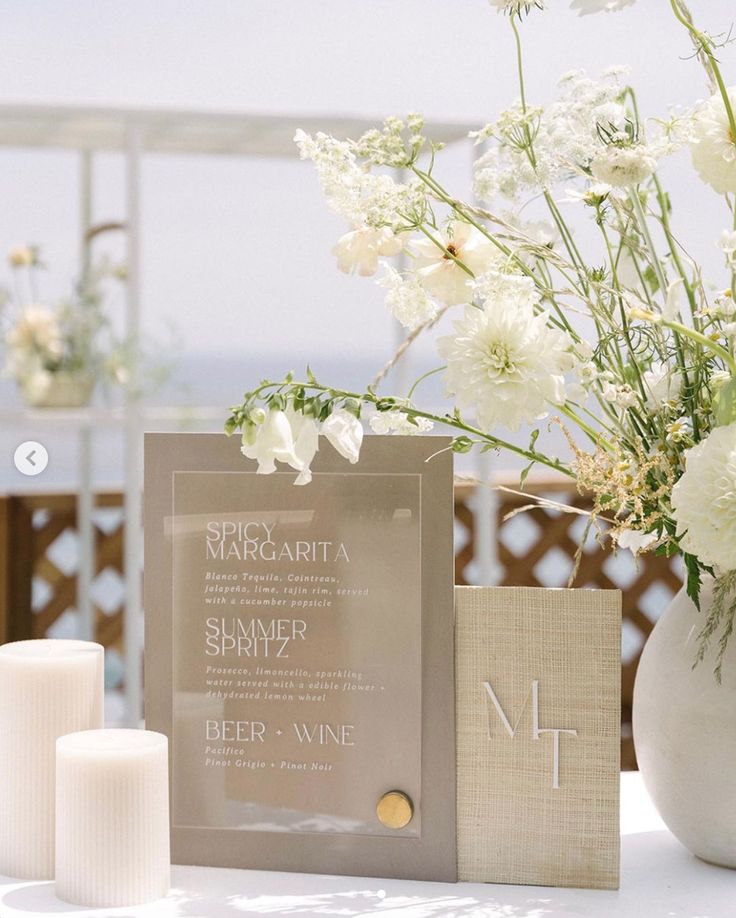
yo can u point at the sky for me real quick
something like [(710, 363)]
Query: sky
[(236, 253)]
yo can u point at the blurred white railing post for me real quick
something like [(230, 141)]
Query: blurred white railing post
[(85, 499), (133, 463)]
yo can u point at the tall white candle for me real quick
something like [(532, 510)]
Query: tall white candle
[(112, 818), (47, 688)]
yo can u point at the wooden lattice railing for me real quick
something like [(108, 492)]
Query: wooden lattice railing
[(39, 568), (536, 548)]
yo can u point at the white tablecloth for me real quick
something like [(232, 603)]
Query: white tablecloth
[(658, 878)]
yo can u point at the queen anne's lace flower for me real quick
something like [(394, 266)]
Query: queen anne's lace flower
[(623, 166), (441, 275), (397, 422), (586, 7), (704, 500), (406, 299), (503, 361), (358, 251), (712, 145), (364, 198)]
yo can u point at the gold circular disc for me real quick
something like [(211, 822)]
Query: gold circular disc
[(395, 810)]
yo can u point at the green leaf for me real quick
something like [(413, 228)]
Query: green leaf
[(724, 404), (231, 425), (693, 578), (311, 378), (525, 474)]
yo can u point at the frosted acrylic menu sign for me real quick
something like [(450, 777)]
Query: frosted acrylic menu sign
[(299, 656)]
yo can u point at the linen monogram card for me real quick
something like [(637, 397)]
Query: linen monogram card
[(538, 727), (299, 655)]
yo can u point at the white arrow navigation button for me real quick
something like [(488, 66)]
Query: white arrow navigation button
[(31, 458)]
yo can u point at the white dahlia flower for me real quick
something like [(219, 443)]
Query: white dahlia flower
[(713, 146), (704, 500), (504, 362), (357, 252), (443, 277)]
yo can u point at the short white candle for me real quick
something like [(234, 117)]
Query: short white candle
[(112, 818), (47, 688)]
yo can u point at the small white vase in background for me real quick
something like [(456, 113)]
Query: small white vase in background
[(685, 732), (64, 389)]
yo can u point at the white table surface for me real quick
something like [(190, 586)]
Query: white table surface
[(658, 878)]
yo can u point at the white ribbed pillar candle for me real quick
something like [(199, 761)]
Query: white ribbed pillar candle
[(47, 688), (112, 818)]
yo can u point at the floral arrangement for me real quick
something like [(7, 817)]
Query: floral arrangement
[(75, 340), (627, 346)]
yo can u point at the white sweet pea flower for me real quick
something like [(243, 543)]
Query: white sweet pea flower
[(269, 442), (440, 275), (671, 309), (345, 433), (305, 432), (712, 146), (661, 384), (357, 252), (635, 541)]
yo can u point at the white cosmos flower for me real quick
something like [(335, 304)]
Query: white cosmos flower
[(704, 500), (397, 422), (407, 300), (623, 166), (503, 361), (586, 7), (712, 146), (345, 433), (358, 251), (440, 275)]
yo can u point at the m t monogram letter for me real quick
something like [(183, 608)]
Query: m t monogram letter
[(537, 731)]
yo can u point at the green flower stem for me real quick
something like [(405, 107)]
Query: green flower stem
[(673, 246), (447, 420), (562, 227), (592, 434), (644, 227), (421, 379), (704, 44), (701, 339)]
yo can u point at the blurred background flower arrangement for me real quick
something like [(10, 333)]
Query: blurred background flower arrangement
[(59, 354), (617, 338)]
